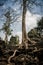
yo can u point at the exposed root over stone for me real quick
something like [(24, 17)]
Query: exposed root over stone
[(12, 56)]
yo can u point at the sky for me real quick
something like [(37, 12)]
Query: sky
[(31, 19)]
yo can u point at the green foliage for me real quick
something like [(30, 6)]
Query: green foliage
[(6, 28), (14, 40), (33, 33), (37, 32), (40, 24)]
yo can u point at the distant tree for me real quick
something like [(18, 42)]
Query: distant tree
[(14, 40), (34, 34), (11, 17), (37, 30), (6, 26)]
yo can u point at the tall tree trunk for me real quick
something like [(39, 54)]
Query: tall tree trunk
[(24, 36)]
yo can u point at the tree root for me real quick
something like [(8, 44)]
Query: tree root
[(12, 56)]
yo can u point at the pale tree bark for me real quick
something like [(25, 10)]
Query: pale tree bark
[(24, 36), (25, 39)]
